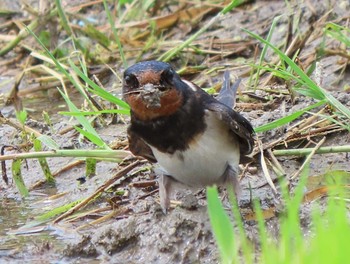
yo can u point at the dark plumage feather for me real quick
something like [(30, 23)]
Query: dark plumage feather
[(227, 95)]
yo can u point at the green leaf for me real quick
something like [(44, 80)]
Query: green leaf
[(22, 116)]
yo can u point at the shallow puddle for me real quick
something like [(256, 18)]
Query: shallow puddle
[(16, 244)]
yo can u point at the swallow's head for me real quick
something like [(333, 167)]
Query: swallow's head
[(152, 89)]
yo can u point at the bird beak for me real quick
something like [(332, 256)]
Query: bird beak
[(149, 88), (150, 94)]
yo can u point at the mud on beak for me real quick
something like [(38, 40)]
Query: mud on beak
[(151, 95)]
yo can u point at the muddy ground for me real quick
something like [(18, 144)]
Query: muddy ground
[(138, 232)]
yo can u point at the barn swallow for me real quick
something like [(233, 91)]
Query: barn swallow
[(196, 139)]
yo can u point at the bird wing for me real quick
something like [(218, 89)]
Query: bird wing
[(237, 124), (139, 148)]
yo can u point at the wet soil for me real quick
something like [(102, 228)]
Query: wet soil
[(139, 232)]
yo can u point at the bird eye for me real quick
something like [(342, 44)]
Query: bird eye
[(131, 80), (167, 76), (163, 88)]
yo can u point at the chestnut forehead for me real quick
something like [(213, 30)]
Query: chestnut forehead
[(148, 76), (147, 71)]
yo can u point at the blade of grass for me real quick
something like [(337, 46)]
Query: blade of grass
[(90, 167), (54, 212), (43, 163), (245, 244), (222, 227), (18, 179), (307, 151), (97, 89), (287, 75), (111, 111), (265, 246), (48, 141), (62, 69), (307, 81), (64, 20), (335, 31), (91, 132), (59, 66), (115, 33), (287, 119), (118, 155), (92, 137), (264, 50), (67, 27)]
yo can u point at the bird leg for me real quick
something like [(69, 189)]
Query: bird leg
[(165, 189), (230, 177)]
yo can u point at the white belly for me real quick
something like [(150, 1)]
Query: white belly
[(206, 160)]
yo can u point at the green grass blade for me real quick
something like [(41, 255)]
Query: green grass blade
[(90, 167), (85, 123), (335, 31), (97, 89), (323, 94), (64, 20), (286, 75), (48, 141), (43, 163), (222, 226), (264, 50), (247, 248), (116, 155), (18, 179), (58, 65), (115, 33), (110, 111), (92, 137), (262, 232), (56, 211), (287, 119), (232, 5)]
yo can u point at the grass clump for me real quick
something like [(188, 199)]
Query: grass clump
[(326, 243)]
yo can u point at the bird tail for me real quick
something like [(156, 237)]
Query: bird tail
[(227, 94)]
